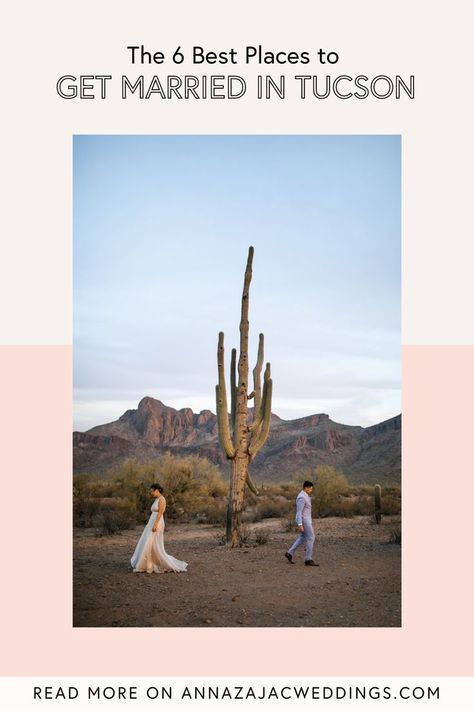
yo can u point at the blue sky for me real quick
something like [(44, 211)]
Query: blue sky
[(162, 226)]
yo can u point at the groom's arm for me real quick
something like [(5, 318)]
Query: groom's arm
[(299, 511)]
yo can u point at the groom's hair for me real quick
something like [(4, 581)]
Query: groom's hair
[(157, 487), (307, 484)]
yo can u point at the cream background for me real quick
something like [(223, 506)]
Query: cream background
[(43, 42)]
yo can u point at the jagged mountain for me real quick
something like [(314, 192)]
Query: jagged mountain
[(363, 454)]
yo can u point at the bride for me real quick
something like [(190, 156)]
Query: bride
[(150, 555)]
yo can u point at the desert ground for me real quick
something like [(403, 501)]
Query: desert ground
[(357, 583)]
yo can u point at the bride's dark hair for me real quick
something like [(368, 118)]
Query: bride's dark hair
[(157, 487)]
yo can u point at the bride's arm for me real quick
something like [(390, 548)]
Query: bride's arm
[(160, 512)]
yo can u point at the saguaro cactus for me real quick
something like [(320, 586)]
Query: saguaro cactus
[(242, 439), (378, 503)]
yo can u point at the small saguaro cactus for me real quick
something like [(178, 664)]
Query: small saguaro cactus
[(378, 503), (242, 439)]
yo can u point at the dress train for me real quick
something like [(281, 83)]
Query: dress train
[(150, 555)]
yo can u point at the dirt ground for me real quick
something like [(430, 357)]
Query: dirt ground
[(356, 585)]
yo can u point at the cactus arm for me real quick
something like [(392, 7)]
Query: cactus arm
[(251, 485), (262, 435), (256, 377), (233, 388), (223, 425), (221, 402), (258, 413)]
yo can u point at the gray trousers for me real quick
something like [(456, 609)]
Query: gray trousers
[(306, 537)]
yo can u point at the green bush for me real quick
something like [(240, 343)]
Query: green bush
[(330, 486), (193, 488), (196, 491), (272, 507), (214, 513)]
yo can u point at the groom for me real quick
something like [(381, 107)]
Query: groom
[(305, 525)]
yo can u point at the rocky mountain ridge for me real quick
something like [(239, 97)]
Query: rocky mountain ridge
[(363, 454)]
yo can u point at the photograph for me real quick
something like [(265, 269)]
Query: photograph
[(237, 381)]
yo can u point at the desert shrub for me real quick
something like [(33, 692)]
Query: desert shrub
[(273, 507), (82, 484), (261, 538), (245, 535), (85, 512), (88, 492), (113, 516), (194, 489), (364, 490), (290, 489), (396, 537), (108, 523), (363, 504), (329, 486), (391, 501), (214, 513), (250, 515), (364, 500), (268, 504), (193, 486), (342, 506)]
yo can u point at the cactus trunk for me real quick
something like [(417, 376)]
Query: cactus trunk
[(236, 501), (247, 440)]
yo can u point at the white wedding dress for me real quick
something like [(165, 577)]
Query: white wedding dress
[(150, 555)]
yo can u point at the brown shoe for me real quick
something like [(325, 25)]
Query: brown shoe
[(289, 558), (311, 562)]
